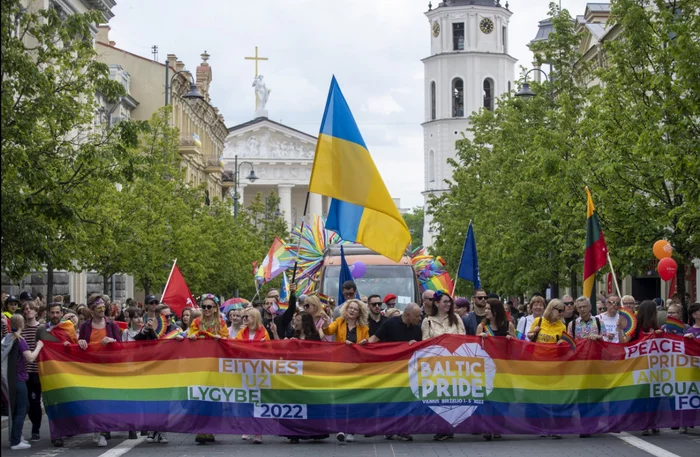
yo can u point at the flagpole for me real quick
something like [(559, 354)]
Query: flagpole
[(168, 281), (612, 270), (461, 257), (301, 231)]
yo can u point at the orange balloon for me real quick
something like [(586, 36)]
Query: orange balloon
[(663, 249)]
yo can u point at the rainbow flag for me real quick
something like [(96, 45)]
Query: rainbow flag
[(674, 325), (596, 254), (294, 387), (279, 258), (283, 302), (438, 282), (569, 340)]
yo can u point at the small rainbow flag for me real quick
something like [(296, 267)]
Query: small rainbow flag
[(283, 302), (439, 282), (567, 338), (324, 299), (674, 325)]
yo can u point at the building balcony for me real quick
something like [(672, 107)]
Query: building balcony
[(190, 144), (227, 179), (213, 165)]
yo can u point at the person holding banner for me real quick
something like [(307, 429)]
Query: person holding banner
[(442, 320), (313, 306), (350, 328), (549, 328), (586, 325), (135, 324), (235, 318), (210, 324), (495, 322), (536, 308)]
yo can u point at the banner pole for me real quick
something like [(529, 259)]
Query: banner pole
[(168, 281), (612, 270), (301, 231)]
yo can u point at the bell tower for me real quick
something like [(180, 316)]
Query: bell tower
[(468, 69)]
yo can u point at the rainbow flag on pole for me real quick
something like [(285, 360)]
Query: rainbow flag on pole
[(279, 258), (596, 254), (439, 282)]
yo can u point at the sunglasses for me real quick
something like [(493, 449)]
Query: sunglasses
[(481, 298), (568, 303), (375, 304), (154, 302), (561, 310), (307, 306), (245, 318), (208, 306)]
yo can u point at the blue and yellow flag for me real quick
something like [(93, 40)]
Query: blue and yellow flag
[(362, 209)]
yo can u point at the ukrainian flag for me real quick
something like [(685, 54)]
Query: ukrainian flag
[(362, 209)]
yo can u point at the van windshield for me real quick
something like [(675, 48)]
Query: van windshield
[(378, 279)]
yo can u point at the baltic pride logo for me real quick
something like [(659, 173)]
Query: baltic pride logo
[(670, 372), (453, 384)]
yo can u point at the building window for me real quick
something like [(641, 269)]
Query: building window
[(505, 40), (457, 97), (488, 94), (432, 101), (431, 166), (458, 36), (509, 89)]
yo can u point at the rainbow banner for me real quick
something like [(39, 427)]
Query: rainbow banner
[(449, 384)]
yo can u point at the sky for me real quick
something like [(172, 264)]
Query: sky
[(373, 47)]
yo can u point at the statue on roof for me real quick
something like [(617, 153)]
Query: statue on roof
[(262, 93)]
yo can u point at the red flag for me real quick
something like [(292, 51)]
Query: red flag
[(176, 293)]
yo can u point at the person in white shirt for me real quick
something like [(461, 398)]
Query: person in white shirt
[(537, 306), (610, 319)]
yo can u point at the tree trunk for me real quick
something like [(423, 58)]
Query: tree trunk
[(573, 285), (146, 287), (49, 282), (105, 284)]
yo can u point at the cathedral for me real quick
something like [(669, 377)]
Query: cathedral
[(468, 69)]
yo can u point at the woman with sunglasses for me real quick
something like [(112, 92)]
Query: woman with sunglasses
[(549, 328), (350, 328), (312, 306), (209, 325)]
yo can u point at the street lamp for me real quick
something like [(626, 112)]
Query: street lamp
[(236, 176), (192, 94), (525, 91)]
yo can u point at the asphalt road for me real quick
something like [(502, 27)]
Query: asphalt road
[(668, 444)]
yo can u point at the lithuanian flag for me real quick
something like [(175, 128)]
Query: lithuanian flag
[(596, 250)]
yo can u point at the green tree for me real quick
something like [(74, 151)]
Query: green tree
[(641, 133), (51, 155), (414, 219), (516, 177)]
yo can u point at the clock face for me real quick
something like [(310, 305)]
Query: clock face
[(486, 25), (436, 29)]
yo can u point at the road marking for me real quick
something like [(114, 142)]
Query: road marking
[(123, 447), (643, 445)]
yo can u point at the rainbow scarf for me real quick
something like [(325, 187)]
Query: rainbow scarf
[(64, 331), (448, 384)]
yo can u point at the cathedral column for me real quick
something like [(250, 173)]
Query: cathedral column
[(285, 193), (315, 205)]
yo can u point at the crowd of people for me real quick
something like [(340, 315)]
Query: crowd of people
[(27, 322)]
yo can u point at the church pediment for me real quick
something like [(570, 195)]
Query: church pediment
[(263, 139)]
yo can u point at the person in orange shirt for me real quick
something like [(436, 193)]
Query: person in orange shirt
[(209, 325), (98, 329)]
